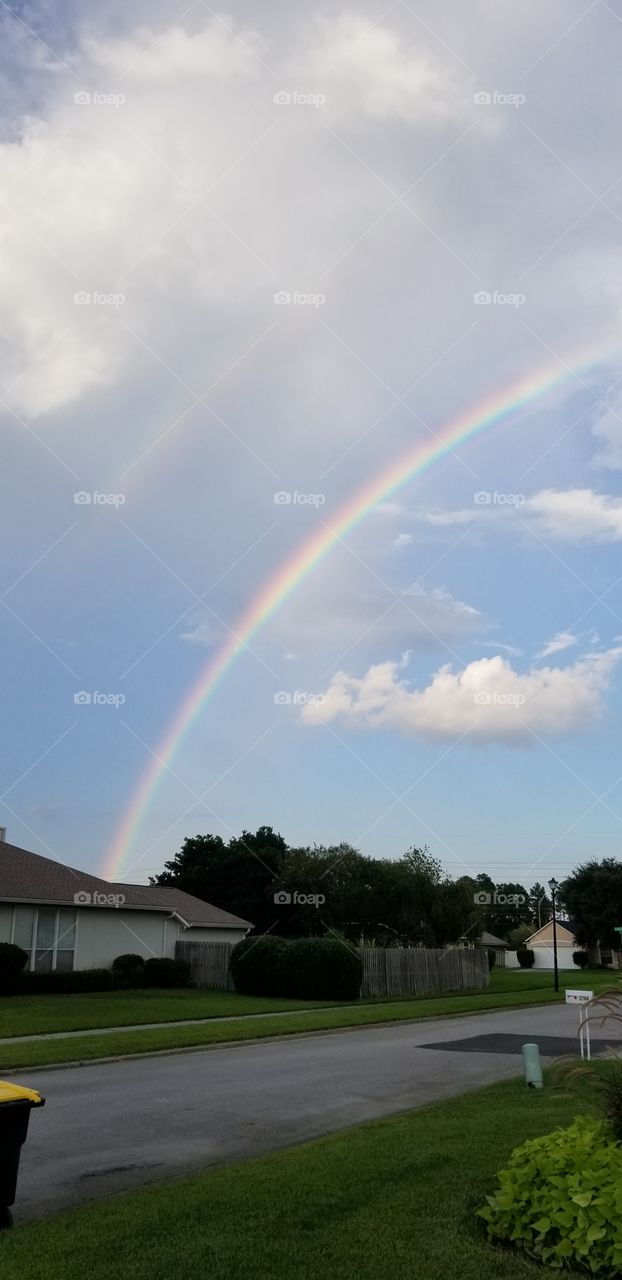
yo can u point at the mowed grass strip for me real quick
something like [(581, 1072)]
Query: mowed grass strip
[(35, 1053), (395, 1197)]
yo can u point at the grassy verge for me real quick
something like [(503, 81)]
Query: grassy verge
[(363, 1203), (84, 1048), (36, 1015)]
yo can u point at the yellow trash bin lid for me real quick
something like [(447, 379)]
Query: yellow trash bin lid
[(15, 1093)]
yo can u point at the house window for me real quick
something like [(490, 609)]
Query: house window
[(48, 934)]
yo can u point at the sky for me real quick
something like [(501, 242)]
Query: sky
[(251, 257)]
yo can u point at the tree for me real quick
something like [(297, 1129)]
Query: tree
[(540, 905), (592, 896), (518, 937), (509, 908), (240, 876)]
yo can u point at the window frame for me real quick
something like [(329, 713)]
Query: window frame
[(35, 907)]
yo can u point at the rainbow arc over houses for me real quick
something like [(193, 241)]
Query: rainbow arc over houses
[(500, 407)]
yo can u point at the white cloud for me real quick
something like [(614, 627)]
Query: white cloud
[(576, 515), (488, 700), (563, 640), (402, 540)]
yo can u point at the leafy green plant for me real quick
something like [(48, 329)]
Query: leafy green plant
[(580, 958), (599, 1082), (129, 969), (304, 968), (162, 972), (560, 1199), (12, 961), (526, 957)]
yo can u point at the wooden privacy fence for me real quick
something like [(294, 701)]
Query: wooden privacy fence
[(387, 971), (419, 971), (209, 963)]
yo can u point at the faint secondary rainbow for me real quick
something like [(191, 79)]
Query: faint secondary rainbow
[(496, 409)]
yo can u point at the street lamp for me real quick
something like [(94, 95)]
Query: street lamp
[(554, 886)]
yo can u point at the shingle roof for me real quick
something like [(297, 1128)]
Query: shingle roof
[(29, 877)]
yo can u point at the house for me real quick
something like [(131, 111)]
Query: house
[(541, 943), (492, 943), (68, 919)]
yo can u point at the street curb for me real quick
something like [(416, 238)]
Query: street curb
[(259, 1040)]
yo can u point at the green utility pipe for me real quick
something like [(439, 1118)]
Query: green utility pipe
[(533, 1066)]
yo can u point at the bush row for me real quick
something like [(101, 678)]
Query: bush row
[(127, 971), (303, 968)]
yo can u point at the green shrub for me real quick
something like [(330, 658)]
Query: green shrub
[(162, 972), (302, 968), (560, 1200), (12, 961), (581, 958), (66, 983), (323, 969), (259, 966), (525, 957), (492, 959), (129, 970)]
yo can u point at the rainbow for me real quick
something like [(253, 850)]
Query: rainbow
[(497, 409)]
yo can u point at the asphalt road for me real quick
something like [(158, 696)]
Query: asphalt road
[(109, 1127)]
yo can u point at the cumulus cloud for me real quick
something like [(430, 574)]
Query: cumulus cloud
[(576, 515), (488, 700)]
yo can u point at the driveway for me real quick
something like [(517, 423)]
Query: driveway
[(109, 1127)]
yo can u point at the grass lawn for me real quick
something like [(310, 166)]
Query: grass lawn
[(29, 1015), (34, 1015), (35, 1053), (395, 1197)]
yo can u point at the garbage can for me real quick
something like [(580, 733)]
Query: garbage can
[(16, 1103)]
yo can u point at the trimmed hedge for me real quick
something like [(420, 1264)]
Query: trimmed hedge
[(162, 972), (526, 958), (559, 1200), (154, 973), (129, 970), (302, 968), (12, 961), (581, 958)]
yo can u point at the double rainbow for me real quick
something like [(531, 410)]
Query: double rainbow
[(500, 407)]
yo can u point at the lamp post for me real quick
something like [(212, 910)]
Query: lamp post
[(554, 886)]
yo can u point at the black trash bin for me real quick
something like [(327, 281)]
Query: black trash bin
[(16, 1103)]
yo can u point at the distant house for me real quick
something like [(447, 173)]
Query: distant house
[(69, 919), (541, 943)]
